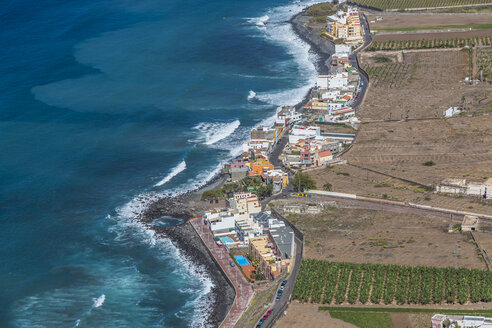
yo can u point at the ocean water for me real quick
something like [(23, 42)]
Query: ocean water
[(104, 106)]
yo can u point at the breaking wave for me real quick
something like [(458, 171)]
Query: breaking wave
[(282, 33), (174, 172), (211, 133), (251, 95), (99, 301), (128, 227), (259, 21)]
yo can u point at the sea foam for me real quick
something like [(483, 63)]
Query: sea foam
[(281, 32), (174, 172), (129, 227), (259, 21), (251, 95), (99, 301), (213, 132)]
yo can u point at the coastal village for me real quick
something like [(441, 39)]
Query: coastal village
[(299, 192), (250, 234)]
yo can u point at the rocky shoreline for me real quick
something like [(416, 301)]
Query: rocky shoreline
[(187, 240), (188, 204), (321, 47)]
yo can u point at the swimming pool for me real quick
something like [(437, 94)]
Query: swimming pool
[(227, 240), (241, 260)]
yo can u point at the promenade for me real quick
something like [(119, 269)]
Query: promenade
[(243, 289)]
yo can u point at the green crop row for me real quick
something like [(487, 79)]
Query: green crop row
[(402, 4), (335, 282), (429, 43)]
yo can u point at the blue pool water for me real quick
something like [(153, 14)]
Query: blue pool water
[(226, 240), (241, 260), (104, 106)]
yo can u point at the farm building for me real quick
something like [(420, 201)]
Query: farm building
[(462, 187), (454, 321), (470, 223), (451, 111)]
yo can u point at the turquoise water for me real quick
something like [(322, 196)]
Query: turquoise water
[(241, 260), (227, 240), (104, 106)]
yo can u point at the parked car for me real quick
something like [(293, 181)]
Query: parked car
[(269, 312), (277, 298), (232, 263), (261, 321), (265, 316), (258, 326), (284, 282)]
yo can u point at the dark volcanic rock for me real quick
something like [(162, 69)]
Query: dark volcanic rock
[(168, 206), (323, 48), (187, 240)]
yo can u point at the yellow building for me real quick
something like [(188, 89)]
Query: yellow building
[(345, 25), (244, 203), (273, 252)]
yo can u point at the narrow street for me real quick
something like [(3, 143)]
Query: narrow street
[(364, 78), (279, 307)]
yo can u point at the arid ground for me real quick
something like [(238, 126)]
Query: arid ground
[(357, 234)]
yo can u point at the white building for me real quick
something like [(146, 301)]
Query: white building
[(287, 116), (333, 81), (343, 49), (339, 80), (303, 132), (454, 321), (451, 111), (220, 221), (322, 81), (340, 115), (331, 94), (261, 145), (247, 228), (462, 187)]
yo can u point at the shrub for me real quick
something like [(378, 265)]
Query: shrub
[(429, 163), (327, 186), (321, 9), (303, 182)]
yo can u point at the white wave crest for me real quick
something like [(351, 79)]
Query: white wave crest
[(174, 172), (259, 21), (281, 33), (214, 132), (128, 227), (251, 95), (99, 301)]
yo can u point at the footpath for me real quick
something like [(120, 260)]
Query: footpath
[(243, 289)]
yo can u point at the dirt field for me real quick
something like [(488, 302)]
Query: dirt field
[(351, 179), (307, 315), (459, 147), (362, 235), (433, 35), (485, 239), (425, 20), (435, 84)]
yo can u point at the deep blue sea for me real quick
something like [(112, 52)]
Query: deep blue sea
[(105, 105)]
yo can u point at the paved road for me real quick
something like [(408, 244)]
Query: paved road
[(279, 307), (355, 62), (277, 150), (386, 206)]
